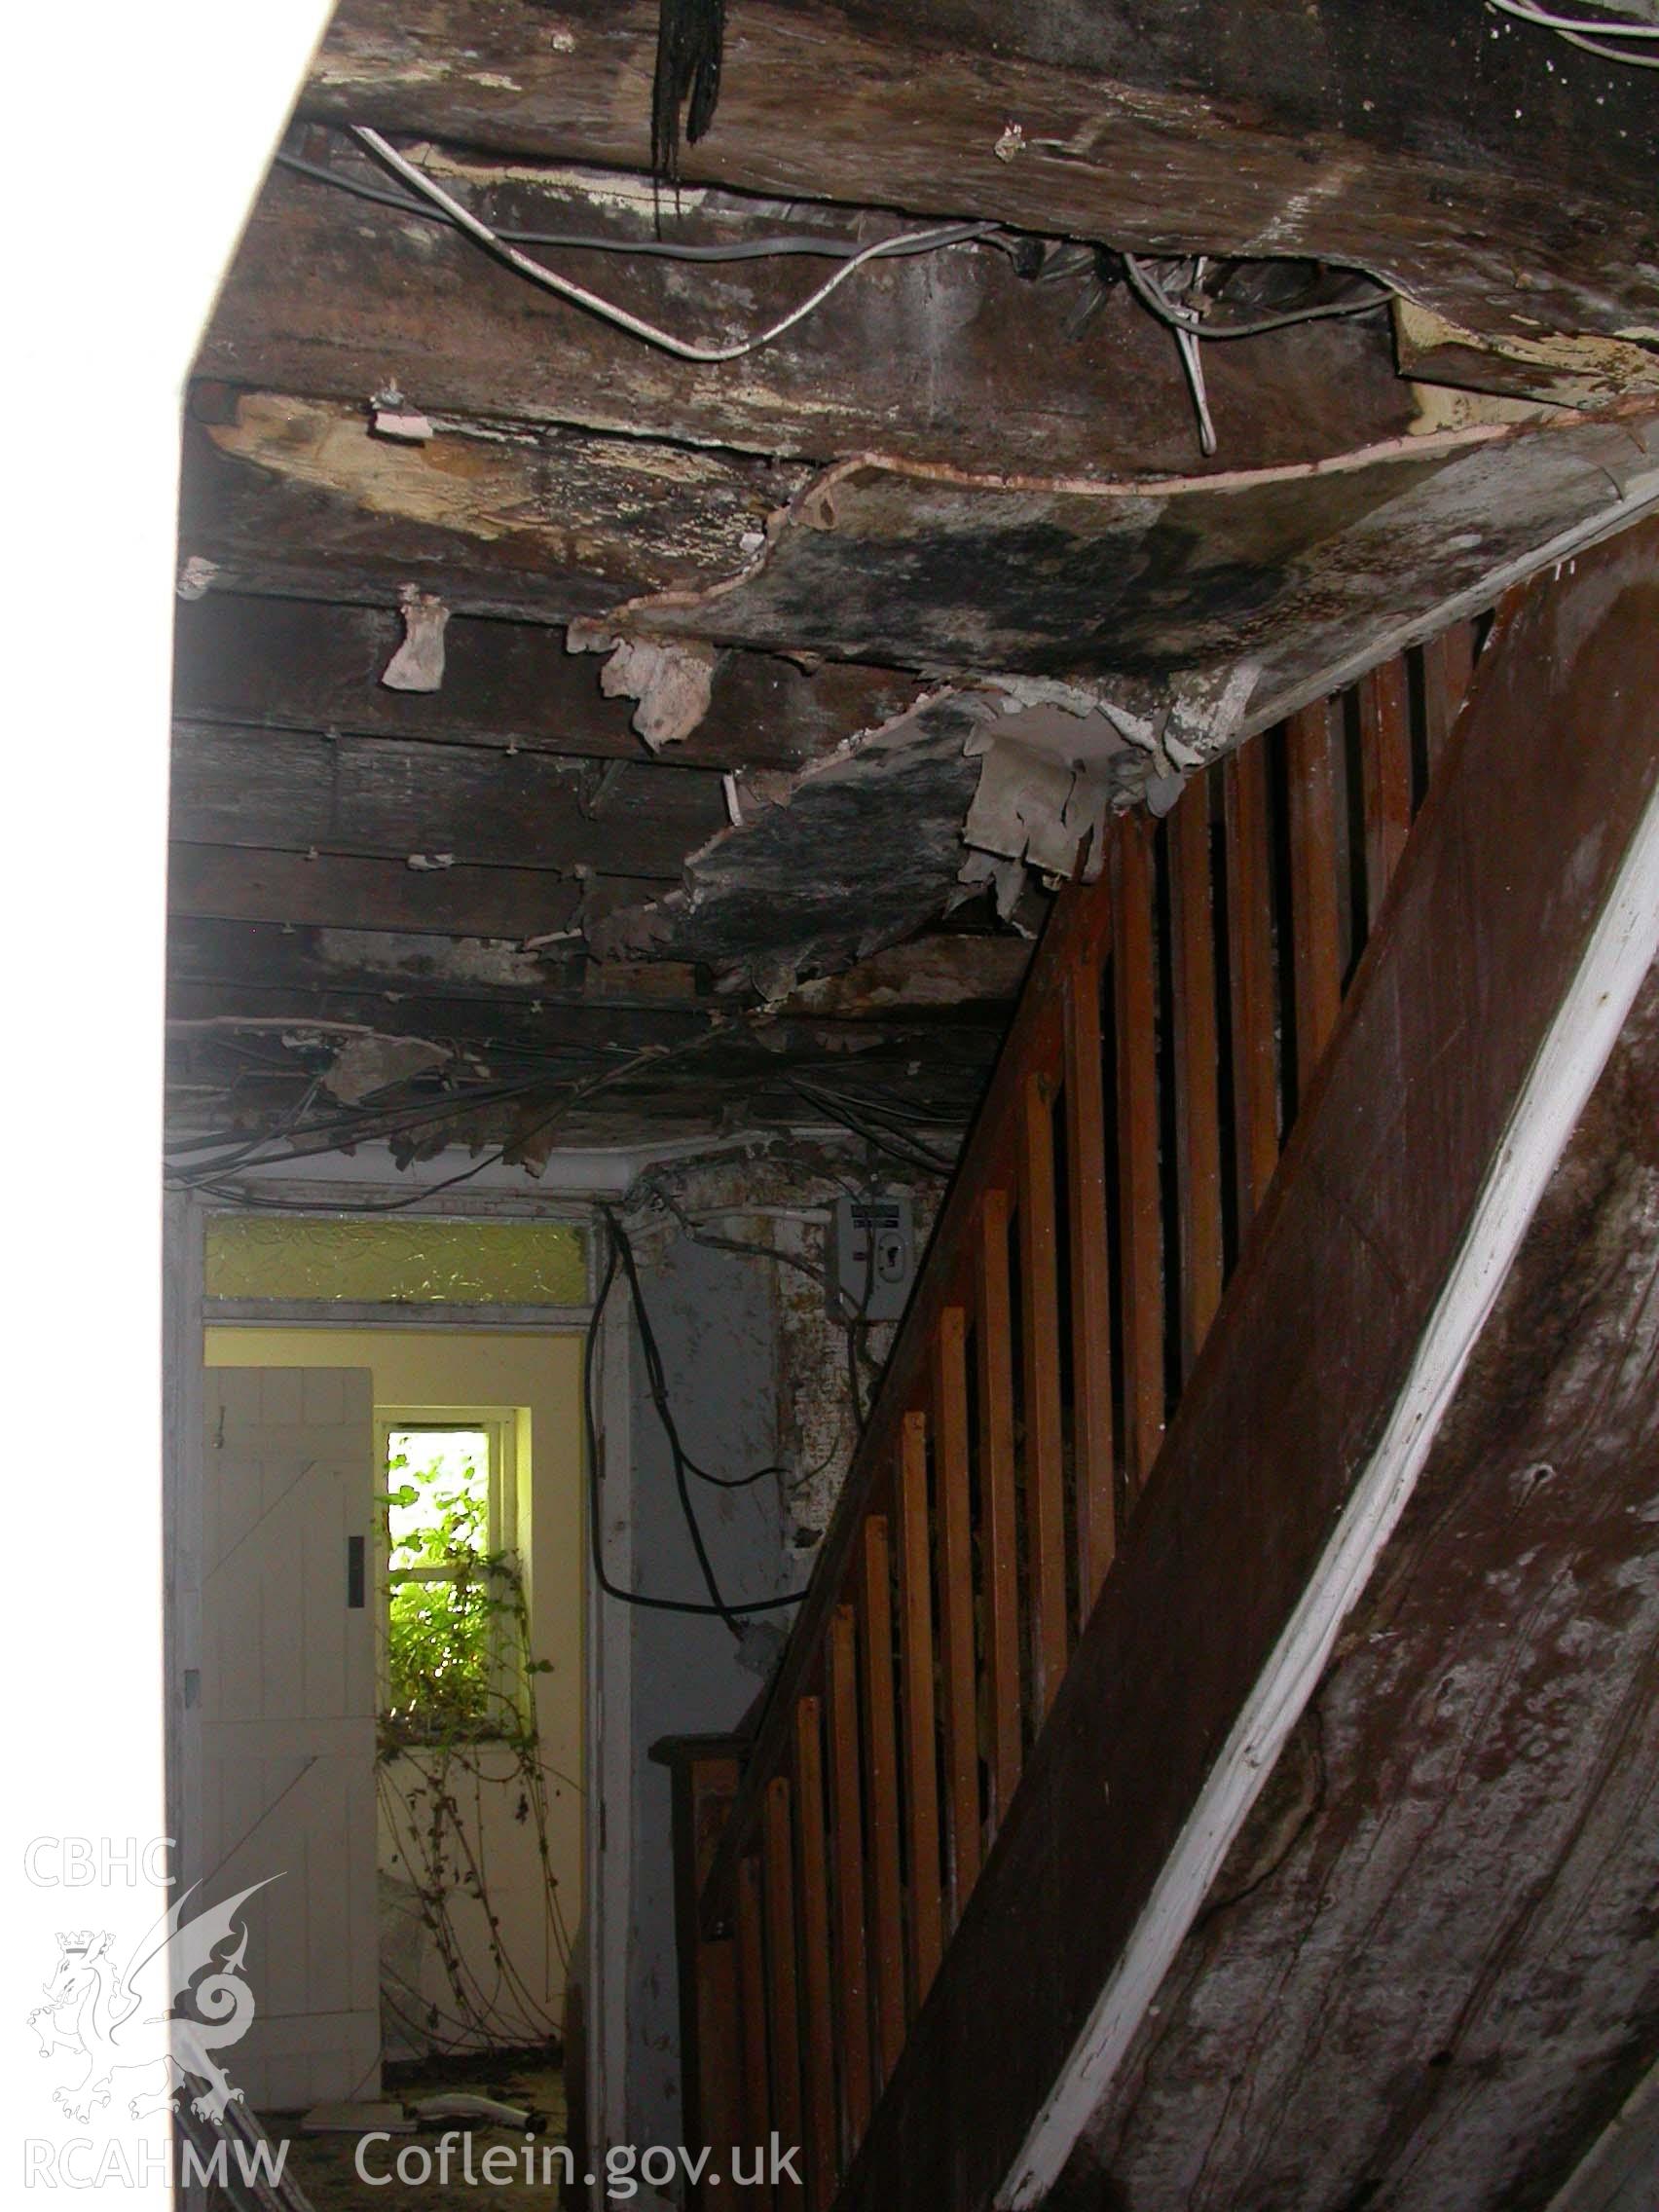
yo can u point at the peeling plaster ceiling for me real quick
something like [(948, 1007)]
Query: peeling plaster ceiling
[(952, 573), (868, 629)]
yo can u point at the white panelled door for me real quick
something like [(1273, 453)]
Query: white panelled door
[(288, 1720)]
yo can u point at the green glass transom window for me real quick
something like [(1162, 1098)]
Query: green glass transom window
[(401, 1262)]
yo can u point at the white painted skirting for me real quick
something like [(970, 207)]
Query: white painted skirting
[(1622, 947), (1621, 2172)]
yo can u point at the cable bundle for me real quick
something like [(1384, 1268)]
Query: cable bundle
[(690, 45)]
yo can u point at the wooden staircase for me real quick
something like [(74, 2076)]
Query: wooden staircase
[(1172, 1031)]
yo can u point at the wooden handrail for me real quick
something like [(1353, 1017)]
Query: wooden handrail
[(1168, 1032)]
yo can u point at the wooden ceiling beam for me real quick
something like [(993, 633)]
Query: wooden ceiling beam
[(532, 1038), (521, 1030), (293, 496), (1485, 167), (951, 977), (308, 665), (953, 356), (393, 799)]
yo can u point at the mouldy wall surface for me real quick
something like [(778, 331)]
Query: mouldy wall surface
[(714, 1318)]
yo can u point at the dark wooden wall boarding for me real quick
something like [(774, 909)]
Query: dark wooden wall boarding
[(1508, 1953), (1175, 1023), (256, 662), (1539, 789)]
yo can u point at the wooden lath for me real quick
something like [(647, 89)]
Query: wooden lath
[(1171, 1031)]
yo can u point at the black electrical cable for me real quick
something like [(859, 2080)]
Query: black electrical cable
[(232, 1152), (667, 249), (650, 1055), (731, 1615), (656, 1377), (350, 1128), (738, 1244), (659, 1398), (909, 1151)]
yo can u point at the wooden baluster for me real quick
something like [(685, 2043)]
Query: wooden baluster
[(782, 1976), (1198, 1100), (847, 1817), (994, 1334), (1385, 769), (917, 1661), (956, 1601), (705, 1780), (751, 2001), (1250, 977), (1447, 664), (1315, 924), (1090, 1285), (882, 1767), (1141, 1233), (1040, 1338), (812, 1873)]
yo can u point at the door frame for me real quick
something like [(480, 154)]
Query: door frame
[(608, 1765)]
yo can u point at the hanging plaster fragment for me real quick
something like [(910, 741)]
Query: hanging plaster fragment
[(391, 416), (1035, 807), (369, 1064), (195, 577), (417, 665), (673, 684), (1006, 879), (1207, 713), (1145, 733)]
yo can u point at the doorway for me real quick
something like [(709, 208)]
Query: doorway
[(471, 1469)]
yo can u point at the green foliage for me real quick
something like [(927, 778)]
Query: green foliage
[(459, 1696), (452, 1605)]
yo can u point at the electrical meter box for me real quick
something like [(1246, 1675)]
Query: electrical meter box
[(876, 1257)]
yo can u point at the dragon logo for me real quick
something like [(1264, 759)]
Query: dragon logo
[(122, 2020)]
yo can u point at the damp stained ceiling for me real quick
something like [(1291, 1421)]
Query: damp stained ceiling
[(597, 744)]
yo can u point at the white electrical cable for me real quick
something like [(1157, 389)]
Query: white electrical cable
[(1151, 294), (1610, 53), (1529, 13), (1587, 36), (955, 234), (1193, 361)]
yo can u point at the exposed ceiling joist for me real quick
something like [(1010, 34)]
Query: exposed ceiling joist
[(1466, 160), (949, 352), (295, 496), (1296, 570), (962, 977)]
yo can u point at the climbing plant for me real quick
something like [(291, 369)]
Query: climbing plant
[(458, 1731), (451, 1600)]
